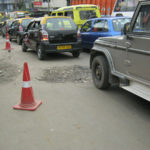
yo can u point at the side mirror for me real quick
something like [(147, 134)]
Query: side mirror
[(126, 28)]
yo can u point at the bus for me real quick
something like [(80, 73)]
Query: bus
[(18, 14), (124, 7), (79, 13)]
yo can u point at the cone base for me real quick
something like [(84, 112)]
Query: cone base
[(8, 49), (32, 108)]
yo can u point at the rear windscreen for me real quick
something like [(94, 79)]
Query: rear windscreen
[(60, 24), (25, 22)]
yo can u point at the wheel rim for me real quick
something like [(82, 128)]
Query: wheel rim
[(98, 72)]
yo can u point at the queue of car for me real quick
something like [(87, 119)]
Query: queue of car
[(113, 57), (51, 34)]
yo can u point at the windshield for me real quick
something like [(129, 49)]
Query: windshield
[(10, 22), (25, 22), (118, 24), (60, 24), (125, 5), (87, 14)]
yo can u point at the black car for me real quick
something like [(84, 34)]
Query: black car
[(17, 28), (5, 27), (52, 35)]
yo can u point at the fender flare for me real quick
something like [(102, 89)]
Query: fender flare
[(104, 52)]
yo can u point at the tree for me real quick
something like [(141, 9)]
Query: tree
[(20, 4)]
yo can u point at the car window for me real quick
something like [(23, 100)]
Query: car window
[(54, 14), (60, 14), (30, 26), (14, 24), (100, 26), (69, 14), (25, 22), (36, 25), (9, 23), (143, 20), (60, 24), (86, 27), (118, 24), (87, 14)]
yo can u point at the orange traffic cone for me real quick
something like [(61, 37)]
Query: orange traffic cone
[(7, 45), (27, 98)]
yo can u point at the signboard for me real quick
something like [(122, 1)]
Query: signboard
[(38, 3)]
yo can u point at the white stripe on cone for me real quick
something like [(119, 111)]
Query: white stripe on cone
[(26, 84)]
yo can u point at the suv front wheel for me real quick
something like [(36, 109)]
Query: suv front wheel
[(100, 72), (40, 53)]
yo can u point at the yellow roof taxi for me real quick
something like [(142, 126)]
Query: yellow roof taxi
[(79, 13)]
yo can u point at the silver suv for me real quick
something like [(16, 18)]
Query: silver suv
[(124, 60)]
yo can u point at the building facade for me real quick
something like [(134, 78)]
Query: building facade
[(12, 5), (49, 4)]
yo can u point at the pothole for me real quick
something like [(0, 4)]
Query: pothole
[(78, 74)]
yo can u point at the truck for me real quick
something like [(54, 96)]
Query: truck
[(124, 7), (124, 60), (106, 6)]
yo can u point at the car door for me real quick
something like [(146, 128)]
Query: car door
[(13, 29), (138, 51), (28, 35), (85, 32), (34, 33), (100, 28)]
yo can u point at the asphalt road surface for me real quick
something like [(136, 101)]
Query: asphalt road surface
[(74, 115)]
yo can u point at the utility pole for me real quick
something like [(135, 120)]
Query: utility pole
[(48, 5)]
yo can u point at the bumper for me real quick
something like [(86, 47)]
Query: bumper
[(53, 48)]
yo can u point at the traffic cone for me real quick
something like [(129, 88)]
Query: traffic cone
[(27, 98), (7, 45)]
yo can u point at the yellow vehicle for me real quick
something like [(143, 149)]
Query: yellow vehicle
[(18, 14), (79, 13)]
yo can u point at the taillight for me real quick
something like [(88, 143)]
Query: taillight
[(6, 28), (44, 36), (79, 35), (20, 28)]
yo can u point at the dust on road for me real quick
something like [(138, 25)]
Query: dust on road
[(8, 71), (77, 74)]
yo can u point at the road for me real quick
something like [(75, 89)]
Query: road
[(74, 115)]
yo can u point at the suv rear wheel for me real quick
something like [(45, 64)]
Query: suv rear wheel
[(76, 54), (40, 53), (100, 72)]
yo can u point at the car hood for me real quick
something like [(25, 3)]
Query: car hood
[(110, 41)]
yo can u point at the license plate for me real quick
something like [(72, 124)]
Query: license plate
[(62, 47)]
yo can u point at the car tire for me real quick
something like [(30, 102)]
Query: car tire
[(100, 72), (40, 53), (75, 54), (24, 47), (18, 40)]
